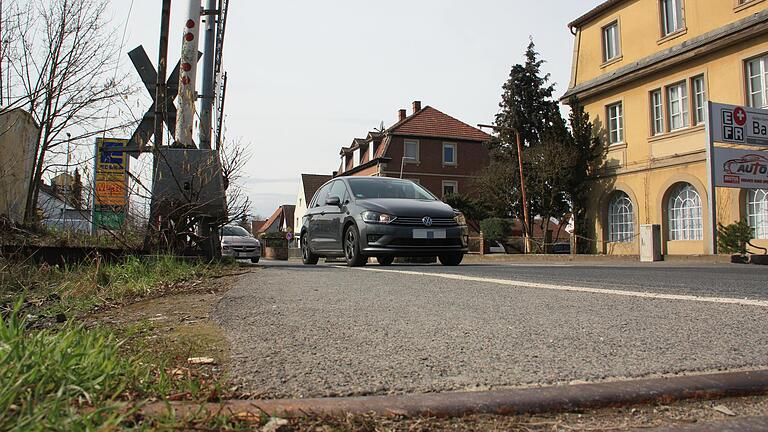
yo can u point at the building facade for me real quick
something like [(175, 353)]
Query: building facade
[(644, 70), (429, 147)]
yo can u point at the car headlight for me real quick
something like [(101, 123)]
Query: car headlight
[(376, 218), (460, 219), (258, 243)]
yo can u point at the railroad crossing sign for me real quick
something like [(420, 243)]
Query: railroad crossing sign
[(148, 75)]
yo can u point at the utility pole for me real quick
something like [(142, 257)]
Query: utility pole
[(207, 98), (526, 220), (160, 97), (522, 192)]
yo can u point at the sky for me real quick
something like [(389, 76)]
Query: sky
[(305, 77)]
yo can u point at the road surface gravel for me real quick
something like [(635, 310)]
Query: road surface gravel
[(299, 331)]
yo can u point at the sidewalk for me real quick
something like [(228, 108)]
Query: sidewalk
[(592, 259)]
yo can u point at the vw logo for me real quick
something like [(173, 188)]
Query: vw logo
[(427, 221)]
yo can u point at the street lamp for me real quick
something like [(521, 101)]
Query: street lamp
[(402, 163)]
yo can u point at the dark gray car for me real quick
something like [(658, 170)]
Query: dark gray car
[(361, 217)]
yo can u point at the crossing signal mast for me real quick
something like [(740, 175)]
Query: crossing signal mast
[(188, 197)]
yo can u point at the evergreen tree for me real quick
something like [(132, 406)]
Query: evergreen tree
[(76, 194), (527, 107)]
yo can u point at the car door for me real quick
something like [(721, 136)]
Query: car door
[(314, 220), (334, 215)]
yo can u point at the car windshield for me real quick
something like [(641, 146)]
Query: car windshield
[(367, 188), (234, 231)]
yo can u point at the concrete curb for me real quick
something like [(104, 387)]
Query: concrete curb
[(557, 398)]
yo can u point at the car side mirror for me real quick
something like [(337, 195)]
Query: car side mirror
[(333, 201)]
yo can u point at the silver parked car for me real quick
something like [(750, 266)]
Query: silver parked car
[(239, 243), (382, 217)]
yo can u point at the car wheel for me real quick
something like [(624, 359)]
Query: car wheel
[(451, 259), (385, 260), (255, 260), (352, 247), (307, 257)]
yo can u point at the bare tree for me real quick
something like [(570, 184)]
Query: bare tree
[(63, 71)]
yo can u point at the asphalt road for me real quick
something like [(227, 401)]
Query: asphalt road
[(327, 330)]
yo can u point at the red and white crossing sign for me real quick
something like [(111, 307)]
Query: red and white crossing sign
[(739, 125)]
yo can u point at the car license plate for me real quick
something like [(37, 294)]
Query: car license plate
[(429, 233), (235, 254)]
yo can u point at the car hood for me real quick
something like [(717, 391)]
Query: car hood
[(239, 240), (408, 207)]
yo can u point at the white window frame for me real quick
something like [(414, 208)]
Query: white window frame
[(452, 183), (455, 149), (657, 112), (677, 19), (757, 212), (699, 90), (685, 215), (679, 101), (611, 42), (405, 150), (618, 117), (621, 219), (756, 74)]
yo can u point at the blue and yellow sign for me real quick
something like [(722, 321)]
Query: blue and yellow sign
[(110, 183)]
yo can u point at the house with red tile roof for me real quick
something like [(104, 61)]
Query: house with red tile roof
[(281, 220), (438, 151)]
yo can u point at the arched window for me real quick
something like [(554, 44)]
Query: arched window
[(621, 220), (685, 214), (757, 212)]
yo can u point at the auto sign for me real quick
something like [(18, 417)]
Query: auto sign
[(737, 168)]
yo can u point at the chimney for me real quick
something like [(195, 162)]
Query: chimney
[(416, 106), (401, 115)]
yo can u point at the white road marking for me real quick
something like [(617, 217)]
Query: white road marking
[(525, 284)]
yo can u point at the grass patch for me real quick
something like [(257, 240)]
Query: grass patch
[(74, 379), (72, 290)]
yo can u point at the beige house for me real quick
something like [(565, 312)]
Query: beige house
[(18, 135), (644, 70)]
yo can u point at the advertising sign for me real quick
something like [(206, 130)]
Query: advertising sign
[(736, 168), (739, 125), (110, 183)]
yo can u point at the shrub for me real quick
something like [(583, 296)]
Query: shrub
[(495, 229), (733, 238)]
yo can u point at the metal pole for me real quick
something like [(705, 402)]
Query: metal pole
[(522, 191), (162, 65), (1, 54), (711, 190), (185, 119), (206, 104)]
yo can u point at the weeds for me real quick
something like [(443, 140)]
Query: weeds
[(68, 290), (75, 378)]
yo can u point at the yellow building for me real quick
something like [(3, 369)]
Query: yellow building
[(644, 70)]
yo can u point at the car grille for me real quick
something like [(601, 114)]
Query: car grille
[(416, 221), (244, 248), (425, 242)]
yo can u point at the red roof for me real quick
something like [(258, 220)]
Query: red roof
[(429, 122)]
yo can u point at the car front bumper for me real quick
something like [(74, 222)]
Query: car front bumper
[(398, 240), (241, 252)]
